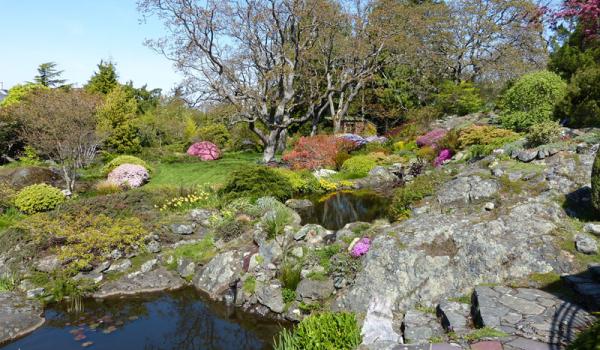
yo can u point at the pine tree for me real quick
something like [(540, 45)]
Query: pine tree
[(49, 75), (104, 80)]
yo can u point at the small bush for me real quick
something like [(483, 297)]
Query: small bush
[(543, 133), (275, 220), (230, 229), (327, 330), (359, 166), (451, 141), (402, 146), (257, 181), (37, 198), (290, 276), (302, 181), (124, 159), (129, 175), (485, 135), (215, 133), (288, 295), (532, 99), (460, 99), (316, 152), (427, 153), (582, 102), (589, 339)]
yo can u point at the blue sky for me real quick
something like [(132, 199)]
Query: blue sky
[(77, 34)]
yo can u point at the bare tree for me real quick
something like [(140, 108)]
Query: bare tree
[(61, 126)]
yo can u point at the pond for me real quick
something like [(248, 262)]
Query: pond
[(335, 210), (174, 320)]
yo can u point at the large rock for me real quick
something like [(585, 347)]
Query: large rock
[(312, 233), (455, 316), (585, 244), (48, 263), (299, 204), (312, 290), (153, 281), (270, 296), (18, 316), (379, 323), (218, 275), (420, 327), (467, 189), (182, 229), (26, 176)]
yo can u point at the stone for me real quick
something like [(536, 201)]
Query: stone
[(25, 176), (270, 251), (216, 276), (455, 316), (270, 295), (156, 280), (182, 229), (298, 252), (153, 247), (120, 266), (585, 244), (18, 316), (528, 344), (36, 292), (467, 189), (527, 155), (103, 267), (48, 263), (186, 267), (592, 228), (379, 323), (487, 345), (312, 233), (489, 206), (94, 277), (321, 173), (116, 254), (200, 216), (419, 327), (312, 290), (318, 269), (148, 265), (298, 204)]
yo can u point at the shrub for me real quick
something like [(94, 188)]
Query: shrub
[(458, 99), (328, 330), (443, 156), (485, 135), (302, 181), (230, 229), (85, 237), (275, 220), (543, 133), (582, 102), (257, 181), (340, 158), (290, 275), (431, 138), (129, 175), (38, 198), (107, 187), (7, 195), (215, 133), (124, 159), (204, 150), (451, 141), (316, 152), (402, 146), (359, 166), (532, 99), (596, 182), (428, 153), (369, 130)]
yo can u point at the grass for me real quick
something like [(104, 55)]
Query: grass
[(485, 332), (200, 252), (7, 283), (10, 217), (249, 285), (197, 173)]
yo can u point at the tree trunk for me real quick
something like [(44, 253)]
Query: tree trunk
[(282, 141), (271, 146), (337, 124)]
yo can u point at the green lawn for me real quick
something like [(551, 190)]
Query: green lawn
[(196, 173)]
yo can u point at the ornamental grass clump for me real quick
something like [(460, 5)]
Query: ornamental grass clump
[(324, 331), (38, 198), (130, 175)]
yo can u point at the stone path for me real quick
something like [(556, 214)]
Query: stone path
[(18, 316)]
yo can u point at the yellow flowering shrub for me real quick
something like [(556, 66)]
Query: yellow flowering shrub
[(200, 198), (327, 185)]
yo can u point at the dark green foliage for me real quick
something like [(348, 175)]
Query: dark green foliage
[(288, 295), (48, 75), (10, 142), (257, 181), (230, 229), (413, 192), (575, 54), (325, 331), (215, 133), (290, 276), (582, 103), (588, 339), (104, 80), (462, 98), (596, 183)]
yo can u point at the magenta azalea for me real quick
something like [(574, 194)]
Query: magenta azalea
[(204, 150), (431, 138), (361, 247), (130, 175), (443, 156)]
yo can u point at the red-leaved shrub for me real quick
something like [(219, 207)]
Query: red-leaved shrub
[(316, 152)]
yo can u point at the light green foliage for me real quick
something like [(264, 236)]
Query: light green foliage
[(532, 99), (249, 285), (123, 159), (462, 98), (85, 237), (302, 181), (108, 187), (325, 331), (402, 146), (485, 332), (325, 254), (9, 217), (276, 219), (190, 130), (37, 198), (288, 295), (104, 80), (582, 102), (359, 166), (257, 181), (7, 283), (7, 195), (115, 120), (543, 133), (17, 93), (200, 252), (166, 124), (199, 197), (29, 156), (413, 192), (481, 140), (215, 133), (596, 183), (588, 339)]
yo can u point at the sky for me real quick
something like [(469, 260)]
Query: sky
[(77, 34)]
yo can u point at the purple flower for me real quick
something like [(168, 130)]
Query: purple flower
[(361, 247), (131, 175), (443, 156), (356, 139), (378, 139), (431, 138)]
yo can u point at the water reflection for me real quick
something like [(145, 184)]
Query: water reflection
[(337, 209), (178, 320)]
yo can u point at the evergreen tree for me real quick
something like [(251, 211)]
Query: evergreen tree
[(104, 80), (48, 75)]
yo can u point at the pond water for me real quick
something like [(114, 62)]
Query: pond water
[(174, 320), (335, 210)]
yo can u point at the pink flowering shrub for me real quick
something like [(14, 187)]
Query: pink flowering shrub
[(361, 247), (586, 11), (443, 156), (204, 150), (130, 175), (431, 138)]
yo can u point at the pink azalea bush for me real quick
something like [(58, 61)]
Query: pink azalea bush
[(204, 150), (586, 11), (130, 175), (361, 247), (431, 138), (443, 156)]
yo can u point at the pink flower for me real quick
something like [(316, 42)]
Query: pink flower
[(361, 247), (430, 138), (131, 175), (443, 156), (204, 150)]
